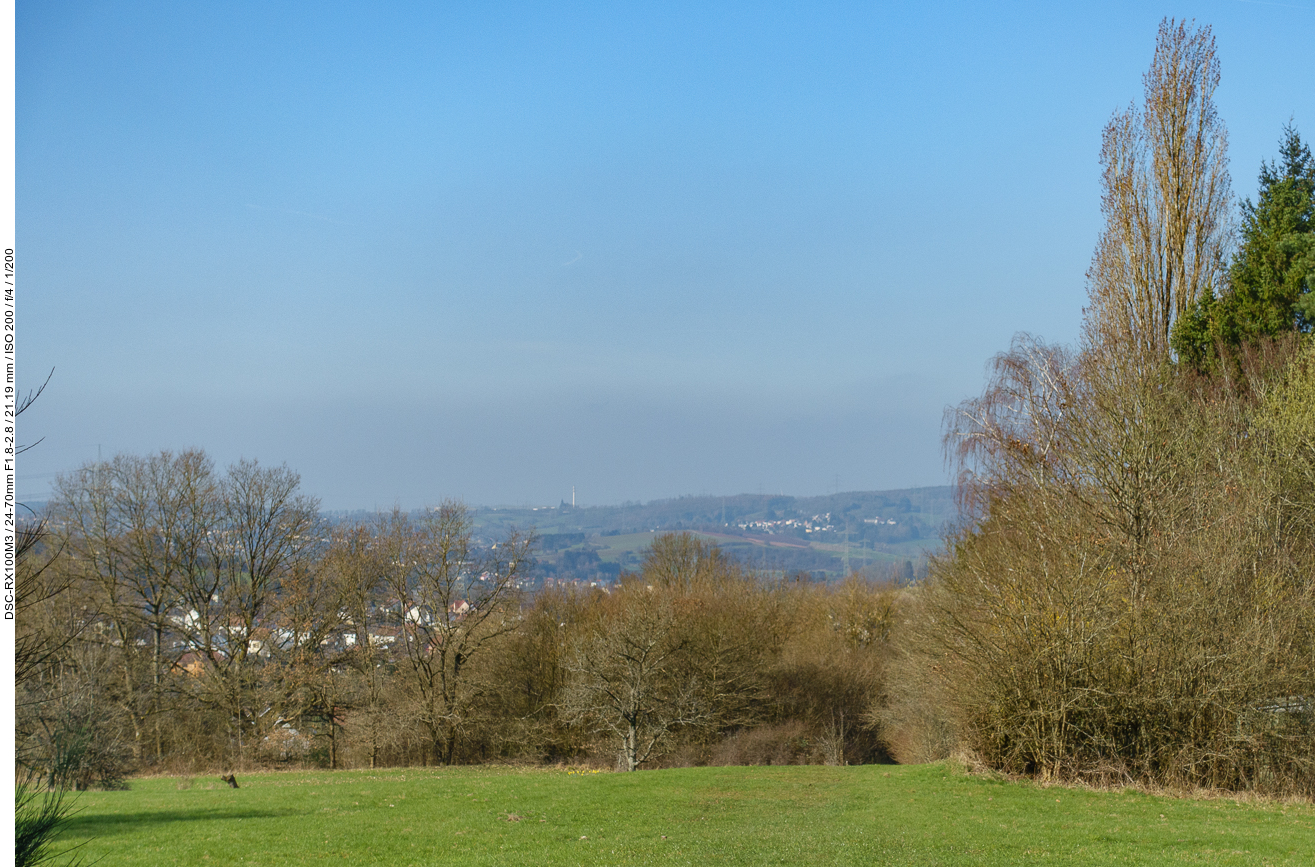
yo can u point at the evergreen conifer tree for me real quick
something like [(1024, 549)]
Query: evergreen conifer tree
[(1271, 279)]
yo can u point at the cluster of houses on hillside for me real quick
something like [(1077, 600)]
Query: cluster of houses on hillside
[(816, 524), (389, 624)]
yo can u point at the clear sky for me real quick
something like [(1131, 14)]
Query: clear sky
[(494, 250)]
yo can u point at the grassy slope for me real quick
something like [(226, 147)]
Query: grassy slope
[(798, 815), (610, 548)]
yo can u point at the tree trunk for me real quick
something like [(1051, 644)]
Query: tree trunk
[(632, 745), (155, 691)]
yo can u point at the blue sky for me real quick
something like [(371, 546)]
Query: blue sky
[(492, 251)]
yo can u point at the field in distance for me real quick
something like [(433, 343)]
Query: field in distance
[(871, 814)]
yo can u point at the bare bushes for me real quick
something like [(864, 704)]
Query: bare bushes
[(70, 731), (693, 662), (525, 714), (1135, 593), (832, 665), (672, 656), (915, 711), (787, 743)]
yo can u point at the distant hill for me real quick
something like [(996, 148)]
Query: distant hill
[(888, 533)]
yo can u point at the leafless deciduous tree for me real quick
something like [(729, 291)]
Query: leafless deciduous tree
[(357, 562), (1166, 199), (128, 529), (628, 677), (182, 560), (454, 601), (267, 533)]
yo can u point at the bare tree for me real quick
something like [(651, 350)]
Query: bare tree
[(1166, 199), (41, 577), (94, 512), (628, 676), (163, 502), (263, 532), (455, 599), (184, 561), (305, 688), (35, 583), (357, 561), (683, 562)]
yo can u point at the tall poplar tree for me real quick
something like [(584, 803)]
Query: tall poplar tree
[(1166, 201)]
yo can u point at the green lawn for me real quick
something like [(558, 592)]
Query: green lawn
[(926, 814)]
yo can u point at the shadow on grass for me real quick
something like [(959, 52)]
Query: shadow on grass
[(133, 823)]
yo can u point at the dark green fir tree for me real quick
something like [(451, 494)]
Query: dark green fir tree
[(1271, 279)]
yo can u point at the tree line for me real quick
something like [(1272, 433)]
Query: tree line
[(198, 619)]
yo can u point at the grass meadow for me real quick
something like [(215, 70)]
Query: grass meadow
[(901, 815)]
